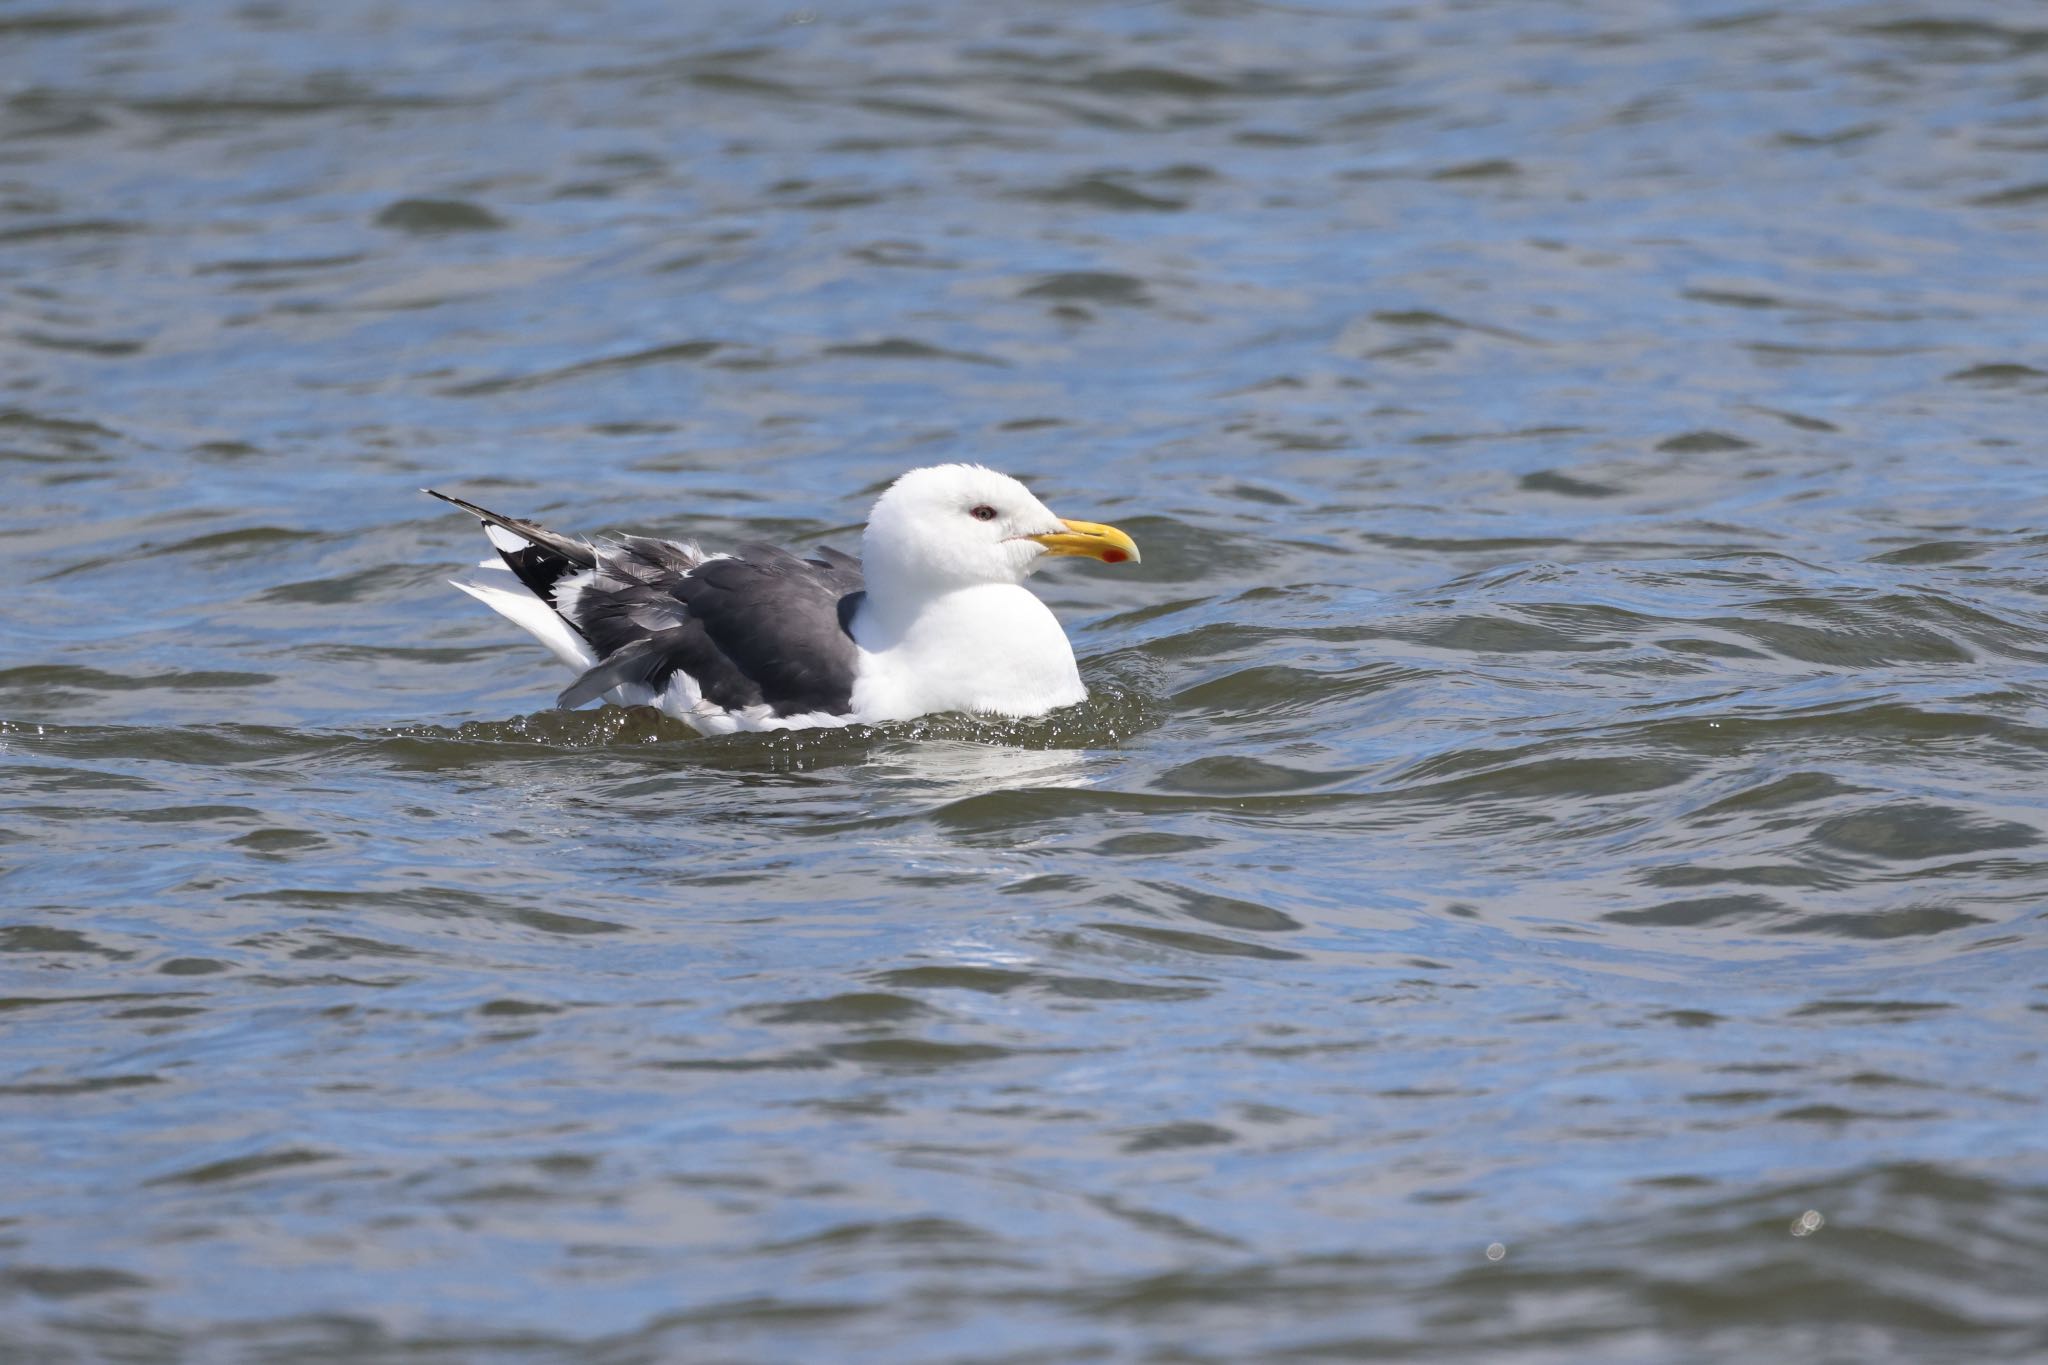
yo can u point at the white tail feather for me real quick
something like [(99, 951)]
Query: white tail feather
[(497, 588), (506, 540)]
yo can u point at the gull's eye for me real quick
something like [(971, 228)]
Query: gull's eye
[(982, 512)]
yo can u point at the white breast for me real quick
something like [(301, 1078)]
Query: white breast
[(994, 649)]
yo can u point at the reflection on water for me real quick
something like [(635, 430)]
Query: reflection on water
[(1565, 779), (950, 770)]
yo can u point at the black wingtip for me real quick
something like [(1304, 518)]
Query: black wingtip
[(569, 548), (482, 514)]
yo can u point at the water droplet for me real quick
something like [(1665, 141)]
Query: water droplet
[(1494, 1250), (1808, 1223)]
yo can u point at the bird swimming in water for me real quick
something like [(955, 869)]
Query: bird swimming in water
[(932, 617)]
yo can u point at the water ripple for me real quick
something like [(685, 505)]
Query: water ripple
[(1551, 867)]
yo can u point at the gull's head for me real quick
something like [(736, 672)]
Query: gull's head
[(959, 525)]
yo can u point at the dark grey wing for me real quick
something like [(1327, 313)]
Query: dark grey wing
[(760, 628), (829, 558)]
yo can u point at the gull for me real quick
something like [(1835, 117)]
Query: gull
[(934, 615)]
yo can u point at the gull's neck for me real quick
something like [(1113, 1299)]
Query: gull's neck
[(899, 613)]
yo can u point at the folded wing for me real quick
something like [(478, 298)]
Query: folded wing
[(758, 634)]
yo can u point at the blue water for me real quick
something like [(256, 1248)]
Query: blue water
[(1551, 868)]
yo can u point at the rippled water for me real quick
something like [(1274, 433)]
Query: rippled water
[(1553, 867)]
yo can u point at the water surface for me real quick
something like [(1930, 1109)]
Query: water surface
[(1553, 866)]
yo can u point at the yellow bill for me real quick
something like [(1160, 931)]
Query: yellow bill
[(1092, 539)]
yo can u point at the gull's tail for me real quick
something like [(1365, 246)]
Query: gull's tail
[(521, 584)]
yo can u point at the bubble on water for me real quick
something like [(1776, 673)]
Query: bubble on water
[(1495, 1251), (1808, 1223)]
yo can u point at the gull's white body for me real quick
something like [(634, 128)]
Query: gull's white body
[(992, 648)]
